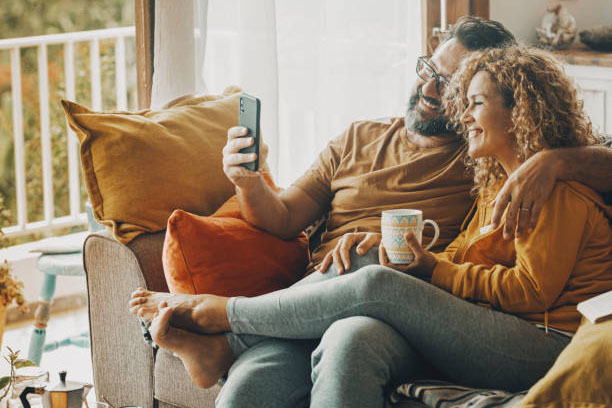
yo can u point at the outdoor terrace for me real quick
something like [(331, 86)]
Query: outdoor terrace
[(42, 185)]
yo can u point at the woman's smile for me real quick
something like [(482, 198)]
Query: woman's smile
[(488, 123), (474, 132)]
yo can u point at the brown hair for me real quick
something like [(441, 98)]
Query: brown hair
[(475, 33), (546, 112)]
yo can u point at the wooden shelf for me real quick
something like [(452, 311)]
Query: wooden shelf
[(580, 54)]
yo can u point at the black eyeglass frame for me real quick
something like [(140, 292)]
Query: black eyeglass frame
[(440, 79)]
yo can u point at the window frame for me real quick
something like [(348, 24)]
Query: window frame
[(430, 18), (145, 25)]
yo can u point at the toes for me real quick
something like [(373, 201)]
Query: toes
[(137, 292), (136, 301), (140, 292)]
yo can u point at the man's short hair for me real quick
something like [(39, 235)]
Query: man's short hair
[(475, 33)]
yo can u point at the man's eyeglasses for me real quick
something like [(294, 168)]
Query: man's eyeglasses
[(426, 72)]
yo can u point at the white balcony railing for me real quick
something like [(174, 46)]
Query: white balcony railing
[(68, 40)]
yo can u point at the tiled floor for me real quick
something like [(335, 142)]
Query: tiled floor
[(75, 360)]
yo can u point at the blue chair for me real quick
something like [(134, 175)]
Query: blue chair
[(66, 259)]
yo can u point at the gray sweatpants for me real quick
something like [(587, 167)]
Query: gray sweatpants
[(404, 325)]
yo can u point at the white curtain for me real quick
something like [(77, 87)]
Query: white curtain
[(179, 49), (316, 65)]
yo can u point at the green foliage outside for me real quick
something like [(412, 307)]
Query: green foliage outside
[(23, 18), (11, 289)]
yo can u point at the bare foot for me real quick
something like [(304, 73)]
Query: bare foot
[(145, 303), (198, 313), (206, 357)]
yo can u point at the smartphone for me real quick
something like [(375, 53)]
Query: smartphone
[(248, 117)]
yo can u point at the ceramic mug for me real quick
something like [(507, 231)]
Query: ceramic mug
[(395, 224)]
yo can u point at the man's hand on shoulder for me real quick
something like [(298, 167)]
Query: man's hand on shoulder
[(340, 254), (524, 193), (528, 188)]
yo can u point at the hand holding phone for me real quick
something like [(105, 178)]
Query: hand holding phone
[(248, 117)]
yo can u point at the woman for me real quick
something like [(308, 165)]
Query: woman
[(509, 103)]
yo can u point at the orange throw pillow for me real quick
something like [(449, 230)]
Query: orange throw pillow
[(224, 255)]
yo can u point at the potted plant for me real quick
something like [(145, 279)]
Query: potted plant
[(7, 383), (11, 289)]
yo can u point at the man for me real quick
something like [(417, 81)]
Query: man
[(411, 162)]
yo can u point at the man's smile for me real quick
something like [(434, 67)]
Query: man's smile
[(429, 104)]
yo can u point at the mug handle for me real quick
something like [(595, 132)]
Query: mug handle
[(436, 233)]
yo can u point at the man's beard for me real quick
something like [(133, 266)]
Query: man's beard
[(425, 127)]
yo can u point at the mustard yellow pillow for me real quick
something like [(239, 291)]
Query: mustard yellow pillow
[(141, 166), (582, 374)]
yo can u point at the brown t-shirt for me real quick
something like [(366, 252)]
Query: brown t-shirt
[(373, 167)]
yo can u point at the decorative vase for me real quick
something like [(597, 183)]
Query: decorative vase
[(557, 29)]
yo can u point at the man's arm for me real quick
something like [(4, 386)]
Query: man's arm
[(283, 214), (588, 165), (529, 187)]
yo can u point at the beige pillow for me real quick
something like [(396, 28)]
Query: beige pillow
[(139, 167), (581, 376)]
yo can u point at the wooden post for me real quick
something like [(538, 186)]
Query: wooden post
[(456, 9), (145, 21), (479, 8), (430, 17)]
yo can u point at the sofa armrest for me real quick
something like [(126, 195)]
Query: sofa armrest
[(122, 361)]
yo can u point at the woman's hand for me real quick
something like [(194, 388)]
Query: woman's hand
[(340, 254), (423, 264)]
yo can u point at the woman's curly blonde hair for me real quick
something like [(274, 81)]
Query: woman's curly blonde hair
[(546, 112)]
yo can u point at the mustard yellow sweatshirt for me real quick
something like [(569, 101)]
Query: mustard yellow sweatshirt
[(540, 277)]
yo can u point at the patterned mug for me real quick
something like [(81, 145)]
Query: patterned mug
[(395, 224)]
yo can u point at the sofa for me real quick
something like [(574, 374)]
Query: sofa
[(127, 371)]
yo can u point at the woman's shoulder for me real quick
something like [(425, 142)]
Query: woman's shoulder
[(579, 191), (571, 195)]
